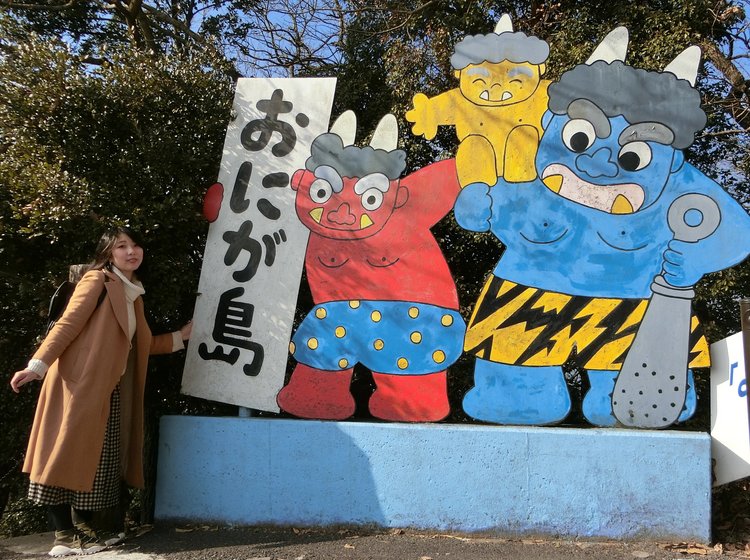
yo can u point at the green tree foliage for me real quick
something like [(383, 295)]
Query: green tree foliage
[(260, 37), (133, 141), (91, 27)]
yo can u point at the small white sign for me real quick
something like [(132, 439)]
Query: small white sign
[(730, 435), (255, 249)]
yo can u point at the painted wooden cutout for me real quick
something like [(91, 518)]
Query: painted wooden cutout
[(212, 202), (252, 264), (606, 243), (497, 108), (383, 294)]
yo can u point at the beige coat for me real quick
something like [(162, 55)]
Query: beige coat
[(88, 350)]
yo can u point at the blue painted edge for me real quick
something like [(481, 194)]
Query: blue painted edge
[(509, 480)]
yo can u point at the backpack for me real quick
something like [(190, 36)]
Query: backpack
[(59, 300)]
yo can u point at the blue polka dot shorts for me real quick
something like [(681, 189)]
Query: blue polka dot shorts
[(396, 337)]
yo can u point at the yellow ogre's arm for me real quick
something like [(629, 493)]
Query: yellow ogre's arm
[(430, 112)]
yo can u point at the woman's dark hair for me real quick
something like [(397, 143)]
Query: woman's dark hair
[(103, 253)]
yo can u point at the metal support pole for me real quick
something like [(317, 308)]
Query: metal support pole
[(244, 412), (745, 321)]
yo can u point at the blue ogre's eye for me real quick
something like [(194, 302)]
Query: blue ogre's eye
[(578, 135), (634, 156)]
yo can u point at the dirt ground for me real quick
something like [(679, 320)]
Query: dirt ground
[(199, 542)]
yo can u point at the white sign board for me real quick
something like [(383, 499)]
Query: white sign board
[(730, 437), (255, 249)]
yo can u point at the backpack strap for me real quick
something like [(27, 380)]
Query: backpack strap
[(59, 300)]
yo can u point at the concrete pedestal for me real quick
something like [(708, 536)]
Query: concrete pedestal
[(574, 483)]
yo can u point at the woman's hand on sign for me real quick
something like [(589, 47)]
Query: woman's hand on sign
[(187, 330)]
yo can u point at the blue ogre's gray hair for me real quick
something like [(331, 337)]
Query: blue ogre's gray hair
[(353, 161), (636, 94), (517, 47)]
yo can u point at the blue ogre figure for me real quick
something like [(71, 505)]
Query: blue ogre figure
[(616, 220)]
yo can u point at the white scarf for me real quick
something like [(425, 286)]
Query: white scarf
[(132, 291)]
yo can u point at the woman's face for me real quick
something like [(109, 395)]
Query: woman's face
[(127, 255)]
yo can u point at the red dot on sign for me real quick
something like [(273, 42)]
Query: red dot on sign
[(212, 201)]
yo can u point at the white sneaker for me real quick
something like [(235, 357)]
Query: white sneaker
[(73, 541)]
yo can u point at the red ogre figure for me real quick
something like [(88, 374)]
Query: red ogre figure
[(384, 295)]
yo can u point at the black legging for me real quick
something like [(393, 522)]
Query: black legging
[(62, 518)]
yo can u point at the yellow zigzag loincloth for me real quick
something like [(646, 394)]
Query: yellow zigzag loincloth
[(516, 324)]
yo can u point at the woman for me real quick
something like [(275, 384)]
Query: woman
[(87, 433)]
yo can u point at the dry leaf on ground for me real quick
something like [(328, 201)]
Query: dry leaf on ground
[(688, 548), (451, 537)]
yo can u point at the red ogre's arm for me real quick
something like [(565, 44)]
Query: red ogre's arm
[(432, 192)]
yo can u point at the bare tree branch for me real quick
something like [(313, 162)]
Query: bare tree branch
[(42, 7), (737, 97), (177, 24), (730, 132)]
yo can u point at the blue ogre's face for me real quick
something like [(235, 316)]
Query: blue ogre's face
[(604, 162)]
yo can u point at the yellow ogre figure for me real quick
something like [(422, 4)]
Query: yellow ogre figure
[(497, 108)]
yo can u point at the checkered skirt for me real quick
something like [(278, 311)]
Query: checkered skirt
[(106, 490)]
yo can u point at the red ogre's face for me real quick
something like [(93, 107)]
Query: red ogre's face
[(345, 207)]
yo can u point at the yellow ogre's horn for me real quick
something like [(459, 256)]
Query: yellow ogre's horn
[(504, 24)]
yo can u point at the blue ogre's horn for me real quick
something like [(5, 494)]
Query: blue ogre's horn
[(613, 47), (685, 65)]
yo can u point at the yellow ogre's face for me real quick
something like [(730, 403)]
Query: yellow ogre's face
[(501, 83)]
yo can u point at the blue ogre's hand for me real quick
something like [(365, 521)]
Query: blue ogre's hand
[(674, 269), (685, 263), (473, 208)]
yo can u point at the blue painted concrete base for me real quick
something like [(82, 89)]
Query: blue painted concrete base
[(607, 483)]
